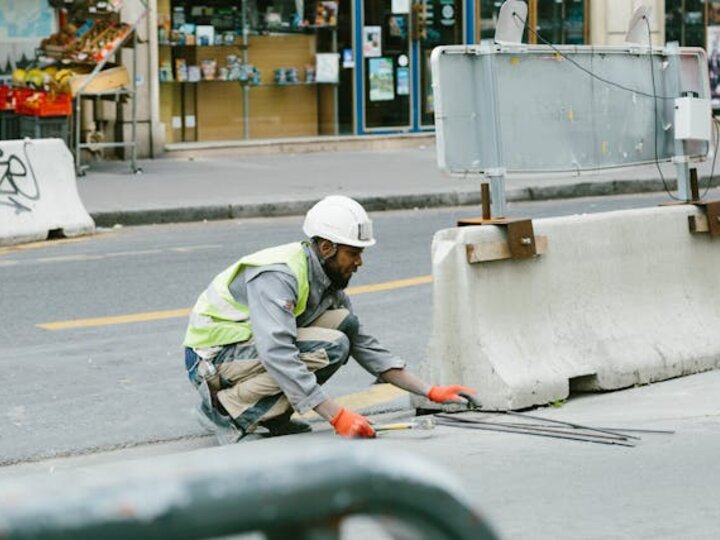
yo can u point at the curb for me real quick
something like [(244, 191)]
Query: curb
[(302, 145), (381, 203)]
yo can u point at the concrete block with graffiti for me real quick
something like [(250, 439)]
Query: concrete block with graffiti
[(38, 192)]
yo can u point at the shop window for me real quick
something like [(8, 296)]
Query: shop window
[(685, 22), (488, 17), (713, 51), (561, 21), (255, 69)]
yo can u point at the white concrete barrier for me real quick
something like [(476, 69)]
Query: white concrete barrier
[(38, 192), (618, 299)]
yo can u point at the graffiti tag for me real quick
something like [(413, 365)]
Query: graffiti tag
[(18, 185)]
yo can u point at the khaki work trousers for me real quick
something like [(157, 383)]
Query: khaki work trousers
[(248, 392)]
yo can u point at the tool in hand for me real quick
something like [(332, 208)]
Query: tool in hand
[(425, 423)]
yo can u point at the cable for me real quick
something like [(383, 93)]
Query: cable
[(654, 96), (655, 109), (582, 68)]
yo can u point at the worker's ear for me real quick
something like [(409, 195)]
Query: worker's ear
[(326, 248)]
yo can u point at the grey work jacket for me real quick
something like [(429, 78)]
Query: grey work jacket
[(271, 292)]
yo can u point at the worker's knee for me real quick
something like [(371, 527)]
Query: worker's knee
[(350, 326), (338, 350)]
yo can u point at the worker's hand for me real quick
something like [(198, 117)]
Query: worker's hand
[(352, 425), (440, 394)]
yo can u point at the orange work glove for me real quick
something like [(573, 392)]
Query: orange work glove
[(439, 394), (352, 425)]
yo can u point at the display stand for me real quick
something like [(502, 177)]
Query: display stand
[(118, 96), (252, 105)]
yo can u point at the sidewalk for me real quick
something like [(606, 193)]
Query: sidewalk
[(208, 185), (528, 487)]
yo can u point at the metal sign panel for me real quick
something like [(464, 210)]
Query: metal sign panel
[(566, 108)]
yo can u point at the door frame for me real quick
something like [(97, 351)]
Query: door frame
[(414, 125)]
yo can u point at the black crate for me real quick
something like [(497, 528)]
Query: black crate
[(44, 127), (8, 125)]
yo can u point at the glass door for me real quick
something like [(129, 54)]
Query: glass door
[(386, 64), (685, 22), (487, 18), (440, 22), (562, 21)]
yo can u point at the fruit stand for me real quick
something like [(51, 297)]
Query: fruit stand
[(73, 65)]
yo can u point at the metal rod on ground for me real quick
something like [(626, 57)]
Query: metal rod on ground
[(580, 438), (531, 427), (569, 424), (655, 431), (618, 430), (474, 404)]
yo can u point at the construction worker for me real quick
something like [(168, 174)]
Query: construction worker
[(274, 326)]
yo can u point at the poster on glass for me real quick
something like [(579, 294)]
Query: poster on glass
[(713, 52), (372, 41), (403, 81), (382, 86)]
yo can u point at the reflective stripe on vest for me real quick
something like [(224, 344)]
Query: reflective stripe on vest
[(218, 319)]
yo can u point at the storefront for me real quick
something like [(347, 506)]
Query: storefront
[(394, 79), (696, 23), (238, 70), (264, 69), (557, 21)]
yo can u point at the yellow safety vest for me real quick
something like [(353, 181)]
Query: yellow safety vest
[(218, 319)]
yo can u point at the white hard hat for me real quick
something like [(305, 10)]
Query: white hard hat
[(341, 220)]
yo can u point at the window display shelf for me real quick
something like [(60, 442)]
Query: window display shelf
[(120, 95), (240, 83), (223, 46), (274, 37)]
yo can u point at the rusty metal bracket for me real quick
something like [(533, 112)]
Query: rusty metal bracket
[(709, 222), (521, 241)]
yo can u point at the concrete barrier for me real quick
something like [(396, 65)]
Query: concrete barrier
[(38, 192), (618, 299)]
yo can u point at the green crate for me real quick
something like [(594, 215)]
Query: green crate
[(44, 127), (8, 125)]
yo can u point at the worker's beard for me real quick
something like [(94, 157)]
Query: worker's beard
[(338, 280)]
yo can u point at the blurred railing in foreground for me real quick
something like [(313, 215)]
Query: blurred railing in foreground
[(302, 491)]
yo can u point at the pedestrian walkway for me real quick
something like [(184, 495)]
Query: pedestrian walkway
[(205, 184), (527, 486)]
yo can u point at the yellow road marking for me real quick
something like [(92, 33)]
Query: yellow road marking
[(378, 393), (69, 258), (389, 285), (176, 313), (43, 243), (118, 319)]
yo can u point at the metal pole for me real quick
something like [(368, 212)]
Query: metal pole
[(680, 159), (495, 171), (133, 149), (497, 192), (246, 84), (78, 164), (336, 128)]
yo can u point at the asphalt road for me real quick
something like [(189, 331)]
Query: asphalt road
[(98, 387)]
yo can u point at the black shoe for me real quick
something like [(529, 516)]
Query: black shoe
[(284, 425)]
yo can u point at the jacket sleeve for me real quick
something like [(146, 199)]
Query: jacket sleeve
[(271, 298)]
